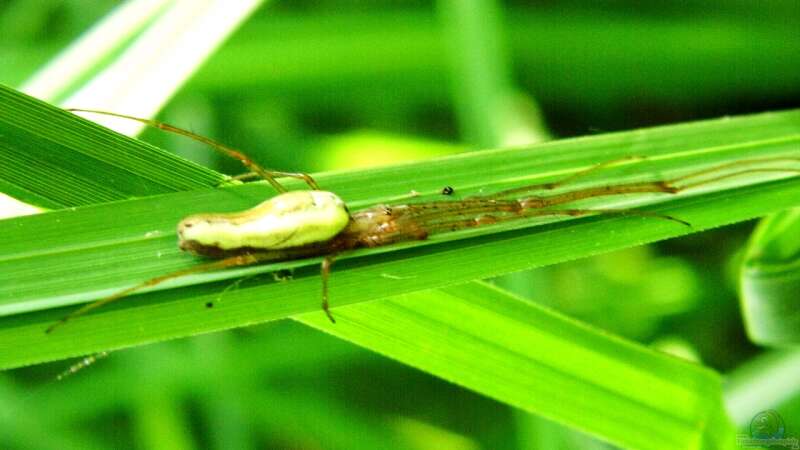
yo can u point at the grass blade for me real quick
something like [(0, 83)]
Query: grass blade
[(525, 355), (51, 158), (770, 281), (67, 257), (90, 53), (147, 74)]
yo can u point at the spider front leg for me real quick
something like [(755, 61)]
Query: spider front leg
[(269, 175), (670, 186), (733, 164), (564, 181), (233, 261)]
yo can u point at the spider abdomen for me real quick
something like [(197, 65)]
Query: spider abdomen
[(292, 219)]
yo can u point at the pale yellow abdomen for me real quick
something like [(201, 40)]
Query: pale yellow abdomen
[(292, 219)]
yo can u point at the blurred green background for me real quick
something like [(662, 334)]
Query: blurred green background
[(324, 85)]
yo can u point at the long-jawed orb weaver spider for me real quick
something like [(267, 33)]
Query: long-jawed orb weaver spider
[(315, 222)]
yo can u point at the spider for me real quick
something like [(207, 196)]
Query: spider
[(315, 222)]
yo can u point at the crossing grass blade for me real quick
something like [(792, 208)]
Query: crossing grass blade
[(50, 158), (770, 280), (525, 355)]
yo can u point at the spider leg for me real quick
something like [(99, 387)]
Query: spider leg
[(721, 167), (234, 261), (83, 363), (422, 211), (325, 272), (728, 175), (245, 176), (569, 179), (592, 169), (433, 216), (496, 202), (458, 224), (671, 186), (276, 173), (251, 165)]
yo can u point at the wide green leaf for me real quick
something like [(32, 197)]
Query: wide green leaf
[(72, 256)]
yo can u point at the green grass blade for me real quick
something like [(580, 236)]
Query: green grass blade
[(163, 57), (67, 257), (770, 281), (91, 52), (53, 159), (145, 38), (525, 355), (490, 111)]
